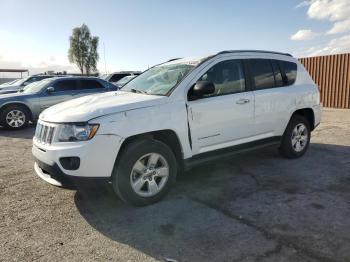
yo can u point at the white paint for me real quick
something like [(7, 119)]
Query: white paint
[(215, 123)]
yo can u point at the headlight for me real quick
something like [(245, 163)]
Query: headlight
[(77, 132)]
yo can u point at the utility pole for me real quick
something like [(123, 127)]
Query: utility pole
[(104, 56)]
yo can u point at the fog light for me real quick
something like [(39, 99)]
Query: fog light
[(70, 163)]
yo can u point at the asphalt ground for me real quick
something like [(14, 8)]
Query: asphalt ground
[(256, 206)]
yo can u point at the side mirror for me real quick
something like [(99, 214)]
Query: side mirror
[(50, 89), (25, 83), (202, 88)]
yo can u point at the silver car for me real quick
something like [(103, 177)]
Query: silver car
[(14, 86), (18, 109)]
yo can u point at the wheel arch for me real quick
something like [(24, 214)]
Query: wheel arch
[(308, 113), (166, 136), (3, 107)]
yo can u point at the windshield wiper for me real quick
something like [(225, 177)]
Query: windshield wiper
[(138, 91)]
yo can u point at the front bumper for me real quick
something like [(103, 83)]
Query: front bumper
[(55, 176), (97, 158)]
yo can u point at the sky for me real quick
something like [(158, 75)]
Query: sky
[(136, 34)]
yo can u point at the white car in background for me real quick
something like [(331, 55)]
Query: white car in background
[(116, 76), (9, 83), (176, 115), (122, 82)]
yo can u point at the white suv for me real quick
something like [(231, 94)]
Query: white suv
[(177, 114)]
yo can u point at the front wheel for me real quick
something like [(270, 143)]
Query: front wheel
[(144, 172), (14, 117), (296, 137)]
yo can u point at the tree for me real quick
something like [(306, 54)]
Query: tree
[(83, 49)]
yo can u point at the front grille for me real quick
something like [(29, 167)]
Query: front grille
[(44, 133)]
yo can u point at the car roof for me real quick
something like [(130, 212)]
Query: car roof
[(198, 60), (78, 78), (125, 72), (253, 51)]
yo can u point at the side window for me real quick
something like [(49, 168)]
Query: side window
[(277, 73), (65, 85), (117, 77), (90, 84), (43, 77), (262, 73), (227, 76), (290, 71), (32, 79)]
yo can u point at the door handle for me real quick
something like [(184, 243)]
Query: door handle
[(242, 101)]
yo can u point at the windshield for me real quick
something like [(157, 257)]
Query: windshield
[(36, 86), (125, 80), (10, 83), (104, 76), (159, 80), (21, 81)]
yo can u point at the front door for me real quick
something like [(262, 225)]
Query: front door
[(63, 90), (226, 117)]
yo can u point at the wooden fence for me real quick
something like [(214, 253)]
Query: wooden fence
[(332, 74)]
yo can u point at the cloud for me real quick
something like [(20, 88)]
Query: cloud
[(333, 10), (340, 27), (304, 3), (15, 55), (35, 67), (304, 34), (337, 12), (337, 45)]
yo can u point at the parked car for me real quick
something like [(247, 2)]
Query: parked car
[(21, 83), (10, 82), (17, 109), (122, 82), (176, 115), (115, 77)]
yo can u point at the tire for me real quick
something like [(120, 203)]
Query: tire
[(19, 115), (294, 143), (144, 167)]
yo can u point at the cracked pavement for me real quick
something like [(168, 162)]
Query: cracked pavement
[(254, 206)]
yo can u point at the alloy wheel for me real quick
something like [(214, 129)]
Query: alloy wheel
[(149, 175), (299, 137), (15, 118)]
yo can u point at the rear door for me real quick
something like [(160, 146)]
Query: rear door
[(63, 89), (273, 99)]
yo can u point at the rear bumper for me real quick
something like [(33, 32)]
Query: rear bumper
[(318, 114)]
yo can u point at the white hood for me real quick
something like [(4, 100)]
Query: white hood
[(89, 107)]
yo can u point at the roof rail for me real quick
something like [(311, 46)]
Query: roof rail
[(173, 59), (252, 51)]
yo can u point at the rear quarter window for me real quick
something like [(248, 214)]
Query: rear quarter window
[(90, 84), (290, 71)]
